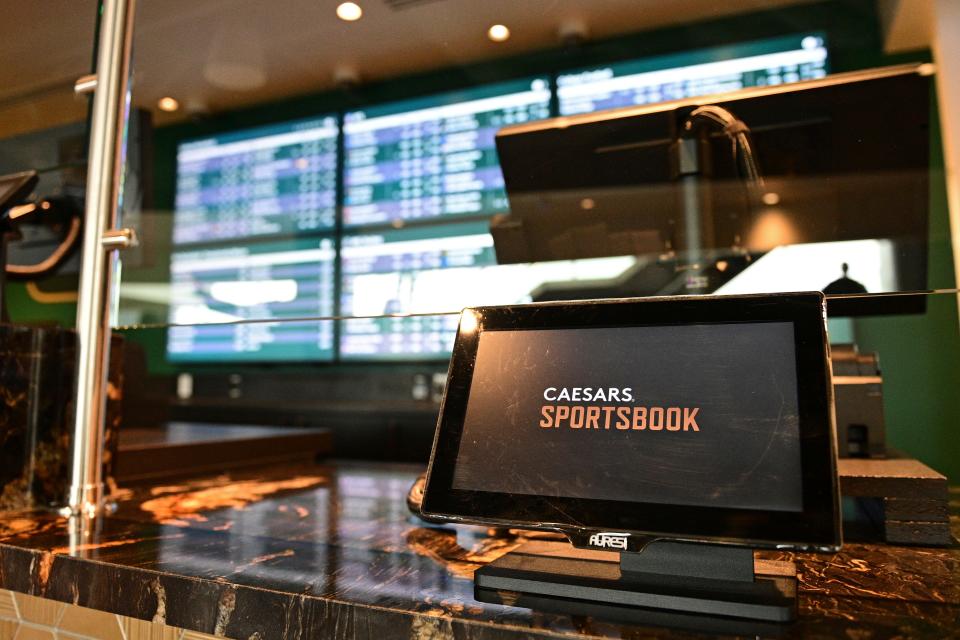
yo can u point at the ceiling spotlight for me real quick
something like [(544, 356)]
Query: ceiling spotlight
[(345, 76), (168, 104), (572, 33), (498, 33), (349, 11), (770, 198)]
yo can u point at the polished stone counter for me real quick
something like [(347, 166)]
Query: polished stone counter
[(331, 551)]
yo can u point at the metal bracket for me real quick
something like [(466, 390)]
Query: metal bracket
[(85, 84), (119, 239)]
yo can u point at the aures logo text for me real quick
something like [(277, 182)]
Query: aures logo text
[(609, 540)]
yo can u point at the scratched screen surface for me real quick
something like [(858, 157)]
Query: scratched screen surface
[(726, 433)]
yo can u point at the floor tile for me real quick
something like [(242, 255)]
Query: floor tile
[(143, 630), (8, 610), (39, 610), (27, 632), (90, 622)]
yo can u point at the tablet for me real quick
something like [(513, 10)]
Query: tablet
[(620, 421)]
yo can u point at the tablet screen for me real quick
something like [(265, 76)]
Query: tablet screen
[(694, 418), (698, 414)]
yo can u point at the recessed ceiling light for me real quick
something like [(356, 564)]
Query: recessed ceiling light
[(349, 11), (770, 198), (168, 104), (498, 33)]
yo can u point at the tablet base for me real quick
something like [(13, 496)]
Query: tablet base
[(556, 577)]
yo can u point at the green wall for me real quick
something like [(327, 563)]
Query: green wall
[(23, 308), (919, 354)]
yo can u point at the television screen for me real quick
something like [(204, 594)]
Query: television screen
[(213, 288), (435, 268), (694, 73), (434, 157), (269, 181)]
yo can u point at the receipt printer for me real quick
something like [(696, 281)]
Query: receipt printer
[(858, 392)]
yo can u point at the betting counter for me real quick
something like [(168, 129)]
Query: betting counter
[(312, 551)]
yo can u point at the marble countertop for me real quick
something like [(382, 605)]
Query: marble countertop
[(331, 551)]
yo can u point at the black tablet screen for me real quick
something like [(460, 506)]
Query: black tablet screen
[(695, 414)]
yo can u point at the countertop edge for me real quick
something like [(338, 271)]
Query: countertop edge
[(159, 597)]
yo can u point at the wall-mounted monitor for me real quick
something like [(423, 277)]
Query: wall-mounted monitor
[(406, 271), (213, 288), (269, 181), (428, 269), (694, 73), (434, 157)]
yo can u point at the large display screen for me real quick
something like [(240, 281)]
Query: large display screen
[(269, 181), (211, 288), (693, 73), (692, 416), (407, 271), (424, 270), (431, 160), (434, 157)]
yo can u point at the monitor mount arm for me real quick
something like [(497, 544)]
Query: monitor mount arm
[(738, 133), (690, 155)]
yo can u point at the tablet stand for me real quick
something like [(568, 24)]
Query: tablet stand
[(687, 578)]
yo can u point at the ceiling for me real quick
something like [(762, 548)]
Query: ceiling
[(215, 55)]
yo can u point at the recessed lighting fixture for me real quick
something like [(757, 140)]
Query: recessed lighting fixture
[(770, 198), (498, 33), (349, 11), (168, 104)]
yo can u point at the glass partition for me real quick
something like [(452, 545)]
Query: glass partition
[(317, 199), (738, 168)]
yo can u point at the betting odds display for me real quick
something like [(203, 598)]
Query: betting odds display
[(237, 195), (256, 233), (432, 159)]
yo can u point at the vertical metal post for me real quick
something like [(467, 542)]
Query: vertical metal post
[(103, 199)]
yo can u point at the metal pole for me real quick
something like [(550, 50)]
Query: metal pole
[(103, 199)]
